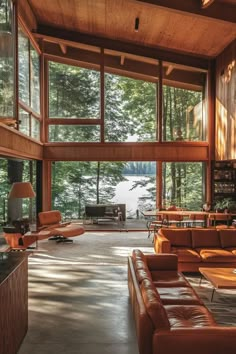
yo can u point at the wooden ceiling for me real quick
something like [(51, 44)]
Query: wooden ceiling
[(179, 26)]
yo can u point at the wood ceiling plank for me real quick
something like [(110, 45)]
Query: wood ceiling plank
[(150, 52), (160, 26), (215, 11)]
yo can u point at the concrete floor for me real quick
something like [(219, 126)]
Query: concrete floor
[(78, 296)]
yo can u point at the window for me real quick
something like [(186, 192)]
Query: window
[(72, 133), (130, 109), (182, 115), (74, 92), (29, 87), (183, 184), (184, 102), (7, 60), (75, 184)]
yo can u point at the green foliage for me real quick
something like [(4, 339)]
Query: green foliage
[(130, 115)]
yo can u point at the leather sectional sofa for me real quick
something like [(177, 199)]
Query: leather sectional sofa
[(198, 247), (169, 315)]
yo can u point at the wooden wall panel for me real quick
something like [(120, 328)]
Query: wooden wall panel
[(183, 151), (14, 143), (14, 306), (225, 147)]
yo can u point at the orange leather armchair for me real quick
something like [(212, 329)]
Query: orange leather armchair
[(60, 231)]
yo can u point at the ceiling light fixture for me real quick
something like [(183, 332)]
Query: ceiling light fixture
[(136, 25)]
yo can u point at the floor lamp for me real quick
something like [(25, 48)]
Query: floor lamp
[(21, 190)]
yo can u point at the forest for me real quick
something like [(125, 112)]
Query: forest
[(130, 116)]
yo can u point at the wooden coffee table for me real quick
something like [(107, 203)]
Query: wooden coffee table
[(220, 278)]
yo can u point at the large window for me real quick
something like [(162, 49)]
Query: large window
[(7, 67), (130, 109), (75, 184), (183, 115), (183, 184), (29, 87), (74, 92)]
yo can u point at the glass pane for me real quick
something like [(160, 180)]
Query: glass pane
[(74, 92), (79, 133), (35, 80), (23, 54), (24, 125), (130, 109), (6, 61), (183, 185), (6, 16), (76, 184), (35, 128), (183, 117)]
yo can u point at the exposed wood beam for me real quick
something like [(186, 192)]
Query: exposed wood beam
[(131, 68), (181, 151), (217, 11), (125, 47), (17, 144)]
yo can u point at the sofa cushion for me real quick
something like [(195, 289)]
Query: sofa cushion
[(228, 238), (186, 255), (164, 261), (189, 316), (168, 278), (205, 238), (153, 305), (217, 255), (177, 237), (137, 254), (178, 295), (140, 266)]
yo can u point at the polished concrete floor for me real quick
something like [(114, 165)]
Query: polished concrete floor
[(78, 295)]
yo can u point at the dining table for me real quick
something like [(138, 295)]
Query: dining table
[(184, 218)]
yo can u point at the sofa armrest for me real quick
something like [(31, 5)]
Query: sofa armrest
[(205, 340), (162, 262), (161, 244)]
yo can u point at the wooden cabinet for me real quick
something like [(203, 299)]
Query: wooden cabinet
[(14, 300)]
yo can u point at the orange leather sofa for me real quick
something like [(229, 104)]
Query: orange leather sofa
[(198, 247), (169, 315)]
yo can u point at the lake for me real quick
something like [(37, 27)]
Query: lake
[(130, 197)]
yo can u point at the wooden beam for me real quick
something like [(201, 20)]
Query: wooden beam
[(131, 68), (47, 32), (174, 151), (217, 11), (14, 143)]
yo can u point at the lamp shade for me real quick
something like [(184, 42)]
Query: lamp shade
[(21, 190)]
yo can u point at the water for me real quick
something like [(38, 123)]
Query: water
[(130, 197)]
